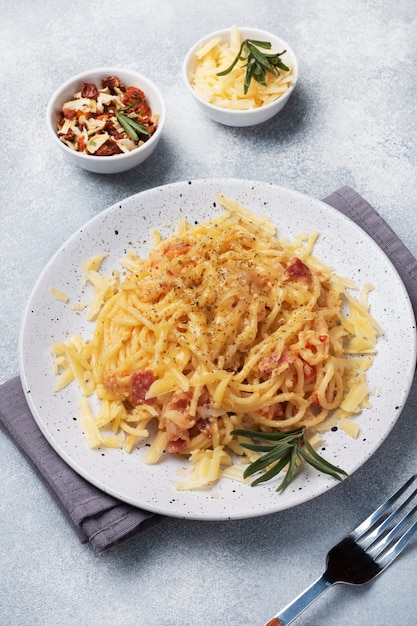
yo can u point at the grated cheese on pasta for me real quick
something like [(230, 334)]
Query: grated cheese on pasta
[(222, 326)]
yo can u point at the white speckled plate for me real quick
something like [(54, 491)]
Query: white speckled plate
[(342, 245)]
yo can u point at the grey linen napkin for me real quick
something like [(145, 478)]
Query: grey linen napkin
[(349, 202), (101, 519)]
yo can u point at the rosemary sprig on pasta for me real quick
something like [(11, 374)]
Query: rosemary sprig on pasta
[(283, 451)]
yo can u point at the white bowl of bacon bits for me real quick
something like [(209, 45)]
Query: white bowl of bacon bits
[(107, 120), (241, 76)]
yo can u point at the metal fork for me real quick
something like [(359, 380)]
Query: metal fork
[(361, 555)]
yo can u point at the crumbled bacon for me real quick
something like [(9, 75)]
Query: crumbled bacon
[(89, 90), (112, 82), (179, 436), (275, 362), (314, 398), (204, 426), (108, 148), (297, 270), (176, 248), (179, 401), (69, 135), (81, 144), (135, 99), (117, 384), (68, 114), (273, 412), (140, 383), (309, 371), (174, 447), (133, 388)]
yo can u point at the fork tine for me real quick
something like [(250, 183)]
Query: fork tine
[(371, 537), (379, 546), (389, 555), (370, 521)]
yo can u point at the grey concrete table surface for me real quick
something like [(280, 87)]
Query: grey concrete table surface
[(351, 121)]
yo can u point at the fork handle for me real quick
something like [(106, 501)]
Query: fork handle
[(297, 606)]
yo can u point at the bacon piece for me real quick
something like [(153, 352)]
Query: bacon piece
[(179, 401), (112, 131), (177, 248), (298, 270), (81, 143), (133, 388), (273, 412), (309, 371), (176, 446), (140, 383), (204, 426), (68, 114), (135, 99), (179, 435), (119, 385), (133, 95), (275, 362), (69, 136), (314, 398), (276, 411), (89, 90), (108, 148), (111, 82), (321, 329)]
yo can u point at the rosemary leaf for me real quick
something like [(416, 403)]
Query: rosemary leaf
[(257, 447), (261, 59), (139, 127), (131, 126), (325, 466), (275, 436), (124, 121), (266, 459), (277, 62), (274, 471), (321, 467), (261, 44), (129, 106), (237, 58), (290, 471)]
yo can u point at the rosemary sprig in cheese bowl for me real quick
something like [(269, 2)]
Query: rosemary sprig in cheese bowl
[(241, 76)]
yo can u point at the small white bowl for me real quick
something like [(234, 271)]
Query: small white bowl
[(118, 162), (233, 117)]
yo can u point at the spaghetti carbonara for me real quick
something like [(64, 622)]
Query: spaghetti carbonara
[(222, 326)]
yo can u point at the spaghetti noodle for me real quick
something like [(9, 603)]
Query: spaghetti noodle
[(223, 326)]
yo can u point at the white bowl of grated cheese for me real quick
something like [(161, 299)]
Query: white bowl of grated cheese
[(106, 127), (223, 97)]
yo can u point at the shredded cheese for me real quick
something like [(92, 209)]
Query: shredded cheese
[(58, 294)]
